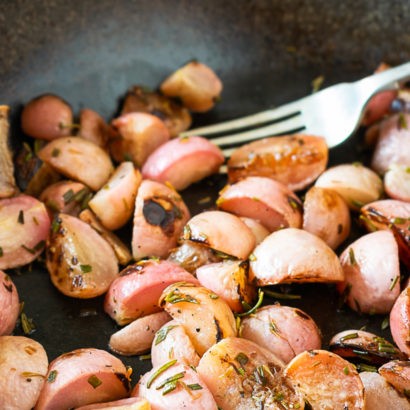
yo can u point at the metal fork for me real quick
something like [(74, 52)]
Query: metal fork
[(333, 113)]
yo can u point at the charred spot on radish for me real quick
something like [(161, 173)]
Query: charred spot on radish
[(161, 212)]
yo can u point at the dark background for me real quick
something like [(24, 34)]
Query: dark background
[(266, 53)]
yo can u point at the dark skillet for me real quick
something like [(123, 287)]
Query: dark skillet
[(266, 52)]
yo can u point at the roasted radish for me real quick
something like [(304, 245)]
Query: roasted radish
[(137, 337), (195, 84), (137, 291), (397, 373), (82, 377), (9, 304), (283, 330), (293, 255), (183, 161), (400, 321), (114, 202), (206, 317), (397, 182), (94, 128), (270, 202), (25, 225), (23, 372), (258, 230), (78, 159), (159, 217), (140, 134), (294, 160), (80, 262)]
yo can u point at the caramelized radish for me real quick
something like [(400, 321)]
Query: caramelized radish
[(140, 135), (25, 225), (114, 202), (195, 84), (80, 262), (78, 159)]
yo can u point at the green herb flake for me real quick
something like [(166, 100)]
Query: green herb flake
[(352, 258), (363, 367), (284, 296), (252, 257), (27, 324), (55, 225), (162, 334), (177, 297), (402, 121), (394, 281), (52, 376), (55, 152), (398, 221), (213, 296), (86, 268), (349, 336), (242, 359), (385, 323), (159, 371), (68, 196), (20, 218), (346, 370), (170, 379), (94, 381), (317, 83), (294, 203), (257, 305), (194, 386), (259, 374)]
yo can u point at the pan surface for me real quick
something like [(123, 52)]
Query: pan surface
[(266, 53)]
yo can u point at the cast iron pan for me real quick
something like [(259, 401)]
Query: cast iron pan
[(266, 52)]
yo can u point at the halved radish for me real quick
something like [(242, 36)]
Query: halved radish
[(9, 304), (78, 159), (183, 161)]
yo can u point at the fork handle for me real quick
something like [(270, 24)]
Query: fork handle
[(387, 79)]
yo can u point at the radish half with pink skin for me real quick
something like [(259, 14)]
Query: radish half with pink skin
[(9, 304), (175, 386), (173, 342), (183, 161), (294, 256), (78, 159), (114, 202), (195, 84), (23, 372), (270, 202), (25, 226), (137, 291), (400, 321), (393, 145), (372, 273), (81, 377), (159, 217), (283, 330), (93, 127), (68, 197), (136, 337), (397, 373), (80, 262), (294, 160), (140, 134), (222, 232), (326, 215)]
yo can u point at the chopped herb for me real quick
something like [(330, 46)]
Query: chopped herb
[(144, 356), (240, 371), (278, 295), (32, 374), (356, 204), (352, 257), (52, 376), (94, 381), (386, 348), (363, 367), (349, 336), (187, 232), (55, 152), (160, 371), (55, 225), (346, 370), (176, 297), (252, 257), (27, 324), (294, 203), (86, 268), (194, 386), (213, 296), (274, 328), (398, 221), (242, 359), (317, 83), (393, 284), (68, 196), (162, 334), (257, 305), (170, 379), (40, 245), (385, 323), (168, 388), (204, 200), (402, 121), (20, 218), (259, 374)]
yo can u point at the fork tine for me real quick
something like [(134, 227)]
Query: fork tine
[(282, 127), (260, 118)]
